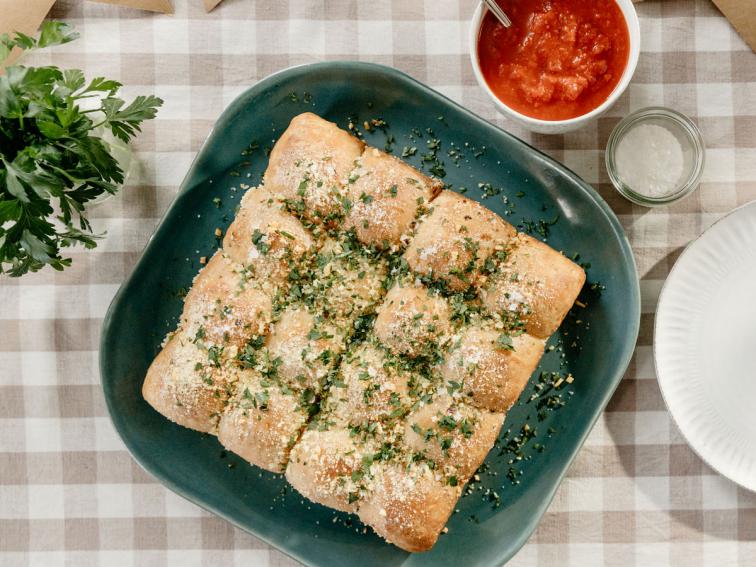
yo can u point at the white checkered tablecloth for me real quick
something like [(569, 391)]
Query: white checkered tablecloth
[(636, 495)]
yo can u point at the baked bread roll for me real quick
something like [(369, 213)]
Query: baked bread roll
[(192, 377), (305, 346), (536, 284), (346, 280), (454, 239), (410, 505), (327, 466), (371, 388), (309, 167), (262, 420), (225, 308), (386, 195), (452, 434), (412, 320), (189, 384), (266, 239), (490, 367)]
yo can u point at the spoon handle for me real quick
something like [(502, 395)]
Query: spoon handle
[(493, 5)]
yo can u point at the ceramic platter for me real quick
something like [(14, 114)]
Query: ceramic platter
[(492, 167), (705, 345)]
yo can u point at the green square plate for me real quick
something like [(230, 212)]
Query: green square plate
[(473, 151)]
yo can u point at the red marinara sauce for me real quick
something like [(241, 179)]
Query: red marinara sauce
[(560, 58)]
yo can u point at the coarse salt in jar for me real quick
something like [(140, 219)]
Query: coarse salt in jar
[(655, 156)]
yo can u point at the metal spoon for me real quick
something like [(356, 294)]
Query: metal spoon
[(493, 5)]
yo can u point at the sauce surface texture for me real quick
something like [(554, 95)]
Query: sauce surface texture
[(560, 58)]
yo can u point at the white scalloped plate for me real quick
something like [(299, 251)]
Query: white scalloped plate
[(705, 345)]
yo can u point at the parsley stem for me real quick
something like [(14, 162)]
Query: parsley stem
[(64, 173)]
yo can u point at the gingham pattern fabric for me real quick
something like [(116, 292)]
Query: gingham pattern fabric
[(636, 494)]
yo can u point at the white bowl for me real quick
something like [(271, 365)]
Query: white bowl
[(561, 126)]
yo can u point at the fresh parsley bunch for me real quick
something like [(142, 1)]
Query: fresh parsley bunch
[(51, 163)]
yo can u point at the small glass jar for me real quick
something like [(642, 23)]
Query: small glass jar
[(691, 143), (120, 151)]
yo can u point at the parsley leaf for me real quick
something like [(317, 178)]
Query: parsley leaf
[(124, 123)]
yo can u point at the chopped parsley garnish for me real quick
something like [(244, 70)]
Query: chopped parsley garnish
[(489, 190), (453, 386), (214, 354), (200, 334), (259, 239), (408, 151), (504, 342), (261, 399), (447, 423)]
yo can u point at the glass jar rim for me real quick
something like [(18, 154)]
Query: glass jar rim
[(649, 113)]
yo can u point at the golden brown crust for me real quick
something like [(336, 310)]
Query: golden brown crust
[(491, 368), (309, 166), (385, 195), (535, 283), (454, 239), (192, 378)]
